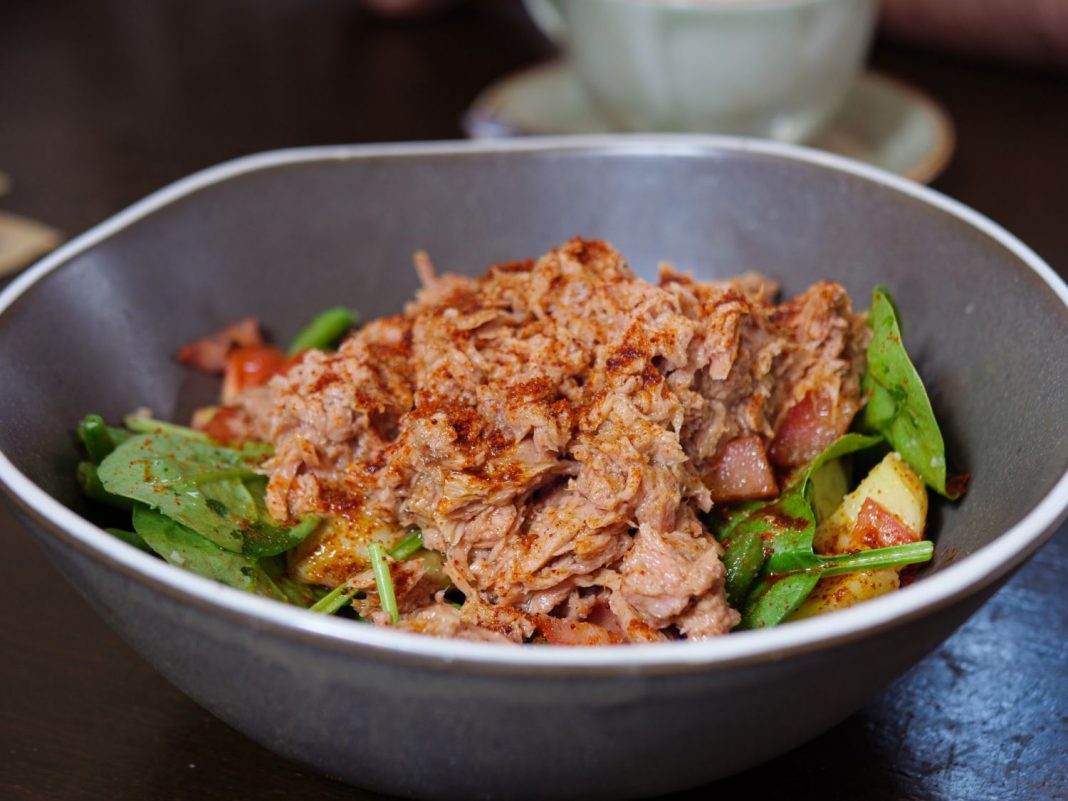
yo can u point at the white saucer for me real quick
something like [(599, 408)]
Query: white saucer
[(882, 122)]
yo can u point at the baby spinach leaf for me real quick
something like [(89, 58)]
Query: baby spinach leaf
[(89, 480), (264, 539), (770, 565), (898, 406), (733, 516), (193, 482), (130, 538), (785, 525), (228, 497), (790, 525), (185, 548), (743, 560), (262, 536), (792, 520), (143, 423), (209, 488), (208, 505), (843, 446), (773, 601)]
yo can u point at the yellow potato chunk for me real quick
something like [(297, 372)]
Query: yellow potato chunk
[(338, 549), (892, 485), (839, 592)]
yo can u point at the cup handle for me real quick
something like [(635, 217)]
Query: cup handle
[(548, 16)]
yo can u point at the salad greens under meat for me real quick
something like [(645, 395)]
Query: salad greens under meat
[(781, 538)]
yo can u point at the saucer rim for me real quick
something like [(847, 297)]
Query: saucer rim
[(483, 115)]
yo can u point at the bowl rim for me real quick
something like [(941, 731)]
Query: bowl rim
[(951, 584)]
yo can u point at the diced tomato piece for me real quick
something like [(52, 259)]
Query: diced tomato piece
[(877, 527), (210, 353), (740, 471), (806, 430), (250, 367), (574, 632)]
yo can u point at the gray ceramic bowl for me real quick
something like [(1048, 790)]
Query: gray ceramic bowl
[(283, 235)]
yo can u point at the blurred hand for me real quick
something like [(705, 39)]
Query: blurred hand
[(1027, 30)]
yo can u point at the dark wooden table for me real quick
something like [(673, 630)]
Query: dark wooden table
[(102, 102)]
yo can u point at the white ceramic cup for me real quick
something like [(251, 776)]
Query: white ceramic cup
[(768, 68)]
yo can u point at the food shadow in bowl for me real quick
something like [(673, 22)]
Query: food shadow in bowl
[(283, 235)]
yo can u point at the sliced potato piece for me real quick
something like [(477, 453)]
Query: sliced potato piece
[(892, 485), (434, 563), (840, 592), (338, 549)]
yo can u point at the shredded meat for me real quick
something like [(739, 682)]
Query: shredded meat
[(548, 426)]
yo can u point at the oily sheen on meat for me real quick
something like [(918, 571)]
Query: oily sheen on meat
[(557, 428)]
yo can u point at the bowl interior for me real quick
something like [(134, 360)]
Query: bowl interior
[(284, 241)]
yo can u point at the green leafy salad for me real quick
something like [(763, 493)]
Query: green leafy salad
[(824, 543)]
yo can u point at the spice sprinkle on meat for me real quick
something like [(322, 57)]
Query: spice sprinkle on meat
[(558, 429)]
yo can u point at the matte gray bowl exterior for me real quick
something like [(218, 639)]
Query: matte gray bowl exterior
[(378, 720), (285, 234)]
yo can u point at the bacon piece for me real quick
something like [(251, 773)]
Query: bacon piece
[(877, 527), (806, 430), (575, 632), (210, 353), (740, 471), (218, 422)]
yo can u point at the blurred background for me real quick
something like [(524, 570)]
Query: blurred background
[(102, 102)]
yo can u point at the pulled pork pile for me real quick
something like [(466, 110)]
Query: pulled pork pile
[(556, 428)]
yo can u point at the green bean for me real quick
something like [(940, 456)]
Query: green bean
[(323, 331), (387, 598), (89, 481), (911, 553), (144, 424), (778, 597), (334, 600), (408, 546), (96, 437)]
